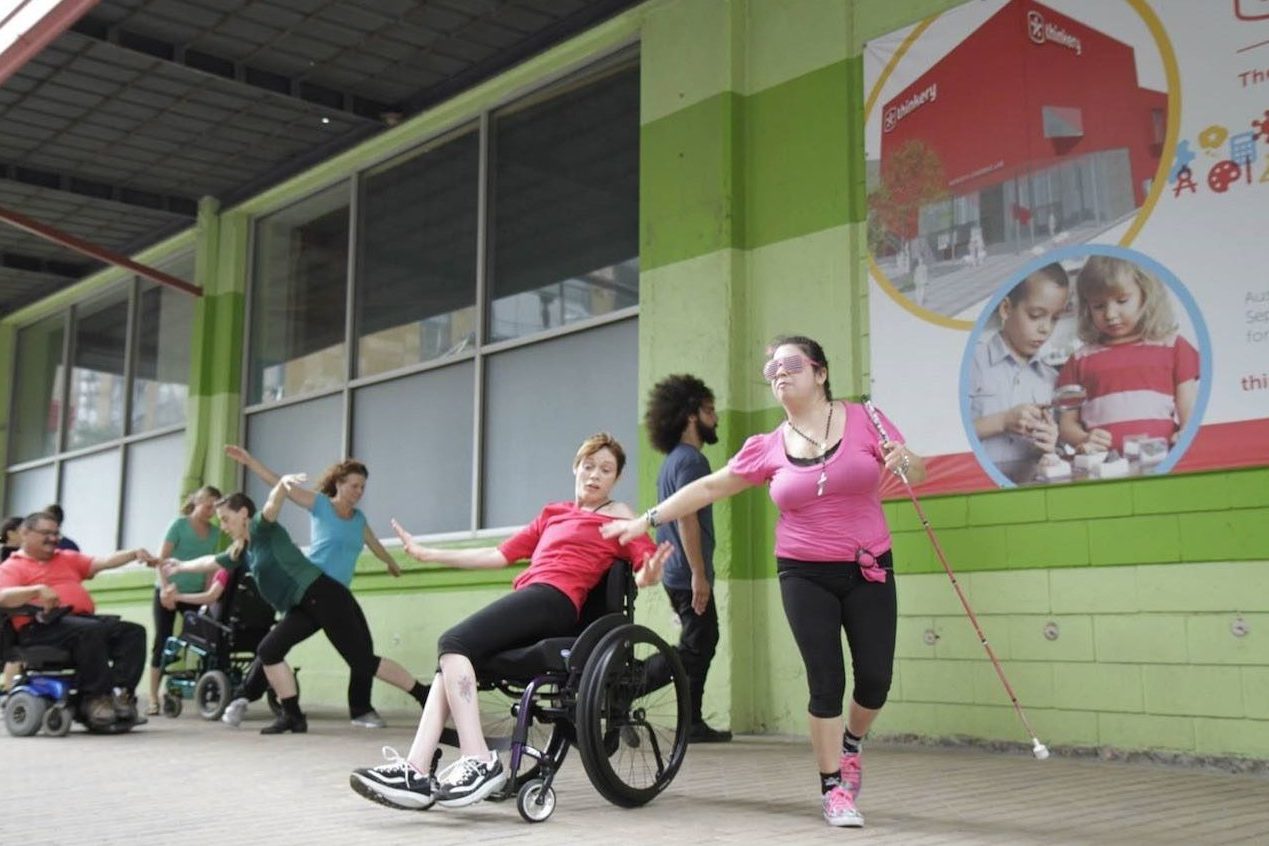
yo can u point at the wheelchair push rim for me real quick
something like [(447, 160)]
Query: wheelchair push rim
[(633, 715)]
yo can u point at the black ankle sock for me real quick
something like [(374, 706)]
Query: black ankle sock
[(291, 706), (851, 744), (829, 780), (420, 692)]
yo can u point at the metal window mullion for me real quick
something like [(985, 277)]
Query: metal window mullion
[(350, 304), (483, 187), (129, 374)]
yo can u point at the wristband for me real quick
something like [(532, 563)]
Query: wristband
[(651, 516)]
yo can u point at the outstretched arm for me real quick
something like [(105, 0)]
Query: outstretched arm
[(279, 494), (301, 496), (379, 552), (124, 556), (482, 558), (206, 597), (202, 564), (689, 499)]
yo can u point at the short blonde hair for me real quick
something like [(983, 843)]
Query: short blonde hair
[(596, 442), (1108, 275)]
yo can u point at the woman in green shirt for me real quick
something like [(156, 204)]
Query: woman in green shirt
[(191, 535), (307, 598)]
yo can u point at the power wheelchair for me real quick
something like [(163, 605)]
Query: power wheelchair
[(45, 694), (616, 691), (216, 650)]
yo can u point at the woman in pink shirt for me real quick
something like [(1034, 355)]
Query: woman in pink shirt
[(823, 466), (568, 557)]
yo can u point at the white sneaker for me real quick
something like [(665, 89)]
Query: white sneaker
[(369, 720), (468, 780), (235, 711)]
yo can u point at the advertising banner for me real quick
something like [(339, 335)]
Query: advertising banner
[(1069, 236)]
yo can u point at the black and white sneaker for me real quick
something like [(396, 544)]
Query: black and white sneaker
[(397, 784), (468, 780)]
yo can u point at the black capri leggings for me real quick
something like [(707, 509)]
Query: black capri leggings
[(329, 606), (821, 598), (521, 618), (164, 623)]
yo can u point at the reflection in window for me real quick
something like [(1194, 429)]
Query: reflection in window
[(416, 290), (298, 298), (37, 390), (565, 241), (165, 325), (97, 382)]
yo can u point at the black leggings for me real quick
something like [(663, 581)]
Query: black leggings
[(521, 618), (164, 622), (821, 598), (329, 606)]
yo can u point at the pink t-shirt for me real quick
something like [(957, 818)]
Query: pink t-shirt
[(848, 517), (567, 551)]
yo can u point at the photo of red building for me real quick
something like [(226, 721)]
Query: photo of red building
[(1031, 133)]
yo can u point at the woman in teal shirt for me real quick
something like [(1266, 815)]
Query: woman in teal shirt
[(191, 535), (308, 599), (337, 527)]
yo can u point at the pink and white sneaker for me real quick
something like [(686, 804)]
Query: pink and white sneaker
[(852, 771), (840, 810)]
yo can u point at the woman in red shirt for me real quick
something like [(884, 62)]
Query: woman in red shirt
[(568, 557)]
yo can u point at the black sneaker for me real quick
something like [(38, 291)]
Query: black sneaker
[(702, 733), (396, 784), (468, 780), (285, 722)]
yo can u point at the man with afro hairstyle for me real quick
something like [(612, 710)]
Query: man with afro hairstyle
[(680, 418)]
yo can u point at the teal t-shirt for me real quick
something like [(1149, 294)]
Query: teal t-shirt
[(187, 545), (336, 542), (281, 571)]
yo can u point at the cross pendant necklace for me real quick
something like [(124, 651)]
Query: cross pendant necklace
[(822, 446)]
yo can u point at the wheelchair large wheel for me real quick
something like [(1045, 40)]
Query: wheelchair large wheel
[(633, 715), (498, 722), (24, 713), (211, 694)]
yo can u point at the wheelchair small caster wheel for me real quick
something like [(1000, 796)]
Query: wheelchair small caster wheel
[(57, 721), (535, 801), (172, 705)]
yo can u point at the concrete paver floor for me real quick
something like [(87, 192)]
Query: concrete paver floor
[(189, 781)]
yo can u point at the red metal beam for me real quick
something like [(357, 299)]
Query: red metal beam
[(54, 22), (79, 245)]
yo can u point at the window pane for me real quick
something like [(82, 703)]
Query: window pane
[(420, 473), (565, 244), (530, 444), (302, 438), (30, 490), (152, 498), (165, 329), (97, 375), (90, 498), (37, 390), (417, 289), (298, 298)]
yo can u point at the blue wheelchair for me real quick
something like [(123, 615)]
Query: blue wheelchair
[(44, 696)]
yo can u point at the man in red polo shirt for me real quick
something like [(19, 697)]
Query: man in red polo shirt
[(108, 655)]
